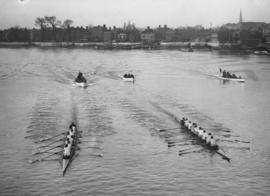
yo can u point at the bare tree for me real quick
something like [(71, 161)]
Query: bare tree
[(51, 20), (41, 22)]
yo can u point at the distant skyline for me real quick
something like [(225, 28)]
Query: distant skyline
[(173, 13)]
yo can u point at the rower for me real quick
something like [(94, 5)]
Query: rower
[(208, 137), (189, 125), (196, 130), (66, 154), (72, 129), (186, 122), (200, 132), (67, 141), (204, 135), (193, 128), (212, 142), (71, 138), (80, 78)]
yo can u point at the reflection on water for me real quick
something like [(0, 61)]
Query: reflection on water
[(132, 124)]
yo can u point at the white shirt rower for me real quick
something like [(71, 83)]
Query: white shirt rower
[(196, 130), (212, 141), (200, 132), (70, 138), (67, 150), (186, 122)]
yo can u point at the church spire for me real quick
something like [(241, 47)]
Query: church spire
[(240, 17)]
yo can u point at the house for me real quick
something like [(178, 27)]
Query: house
[(148, 35), (164, 33), (107, 36)]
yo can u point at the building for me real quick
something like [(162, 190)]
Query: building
[(107, 36), (148, 35)]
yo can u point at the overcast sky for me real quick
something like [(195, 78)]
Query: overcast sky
[(143, 13)]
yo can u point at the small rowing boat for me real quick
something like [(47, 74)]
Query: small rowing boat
[(230, 79), (211, 146), (68, 159), (128, 77)]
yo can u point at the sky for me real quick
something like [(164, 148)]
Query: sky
[(173, 13)]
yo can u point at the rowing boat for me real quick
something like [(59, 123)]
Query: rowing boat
[(230, 79), (214, 148), (128, 79), (195, 135), (67, 161)]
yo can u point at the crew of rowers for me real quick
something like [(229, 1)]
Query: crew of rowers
[(69, 141), (226, 74), (128, 75), (208, 138), (80, 78)]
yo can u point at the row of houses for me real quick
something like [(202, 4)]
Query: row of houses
[(247, 34), (104, 34)]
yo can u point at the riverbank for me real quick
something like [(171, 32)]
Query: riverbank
[(183, 46)]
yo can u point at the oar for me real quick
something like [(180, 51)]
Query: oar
[(194, 151), (224, 156), (46, 150), (163, 130), (186, 149), (182, 144), (52, 143), (97, 141), (42, 159), (45, 139), (96, 147), (97, 155), (234, 141)]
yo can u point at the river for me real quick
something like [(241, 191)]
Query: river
[(122, 121)]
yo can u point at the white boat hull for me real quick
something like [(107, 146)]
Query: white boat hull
[(81, 84), (231, 79), (127, 79)]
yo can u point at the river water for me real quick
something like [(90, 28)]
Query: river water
[(122, 121)]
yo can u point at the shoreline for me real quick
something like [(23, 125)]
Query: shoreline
[(182, 46)]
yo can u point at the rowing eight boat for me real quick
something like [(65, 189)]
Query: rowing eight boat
[(214, 148), (67, 160)]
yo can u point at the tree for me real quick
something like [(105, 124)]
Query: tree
[(66, 25), (41, 22), (51, 20)]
